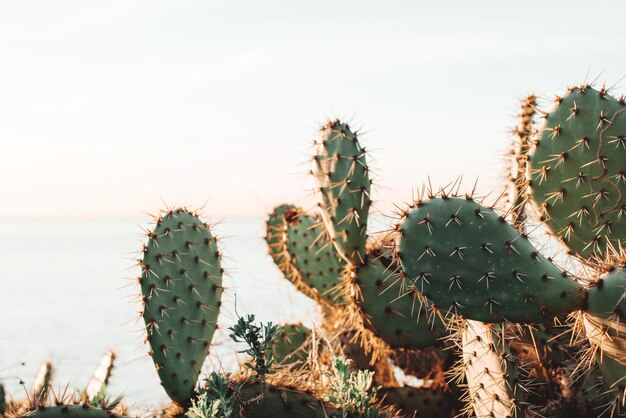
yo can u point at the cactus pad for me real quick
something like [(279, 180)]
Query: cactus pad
[(289, 346), (391, 309), (493, 382), (181, 283), (605, 327), (3, 401), (274, 235), (418, 402), (578, 171), (342, 175), (68, 411), (286, 402), (467, 260), (314, 265)]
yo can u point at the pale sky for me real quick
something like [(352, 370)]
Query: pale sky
[(109, 108)]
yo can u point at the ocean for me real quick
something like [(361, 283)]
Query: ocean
[(68, 293)]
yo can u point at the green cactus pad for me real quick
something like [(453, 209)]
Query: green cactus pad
[(391, 309), (274, 235), (578, 171), (289, 347), (69, 411), (181, 283), (3, 401), (605, 327), (418, 402), (286, 402), (342, 175), (467, 260), (493, 382), (314, 265)]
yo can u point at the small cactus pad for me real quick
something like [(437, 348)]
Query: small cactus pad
[(3, 401), (42, 383), (285, 402), (392, 310), (342, 175), (67, 411), (578, 171), (418, 402), (493, 382), (181, 283), (274, 234), (468, 260), (519, 155), (289, 346), (605, 326), (314, 264), (101, 376)]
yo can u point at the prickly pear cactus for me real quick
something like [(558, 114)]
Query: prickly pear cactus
[(418, 402), (314, 266), (494, 386), (390, 308), (3, 401), (606, 329), (286, 402), (290, 346), (342, 175), (468, 260), (274, 235), (578, 171), (181, 283), (67, 411)]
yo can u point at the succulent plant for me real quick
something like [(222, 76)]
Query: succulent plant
[(578, 170), (181, 285), (310, 260), (468, 260), (342, 175)]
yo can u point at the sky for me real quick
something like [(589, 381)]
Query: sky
[(109, 109)]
